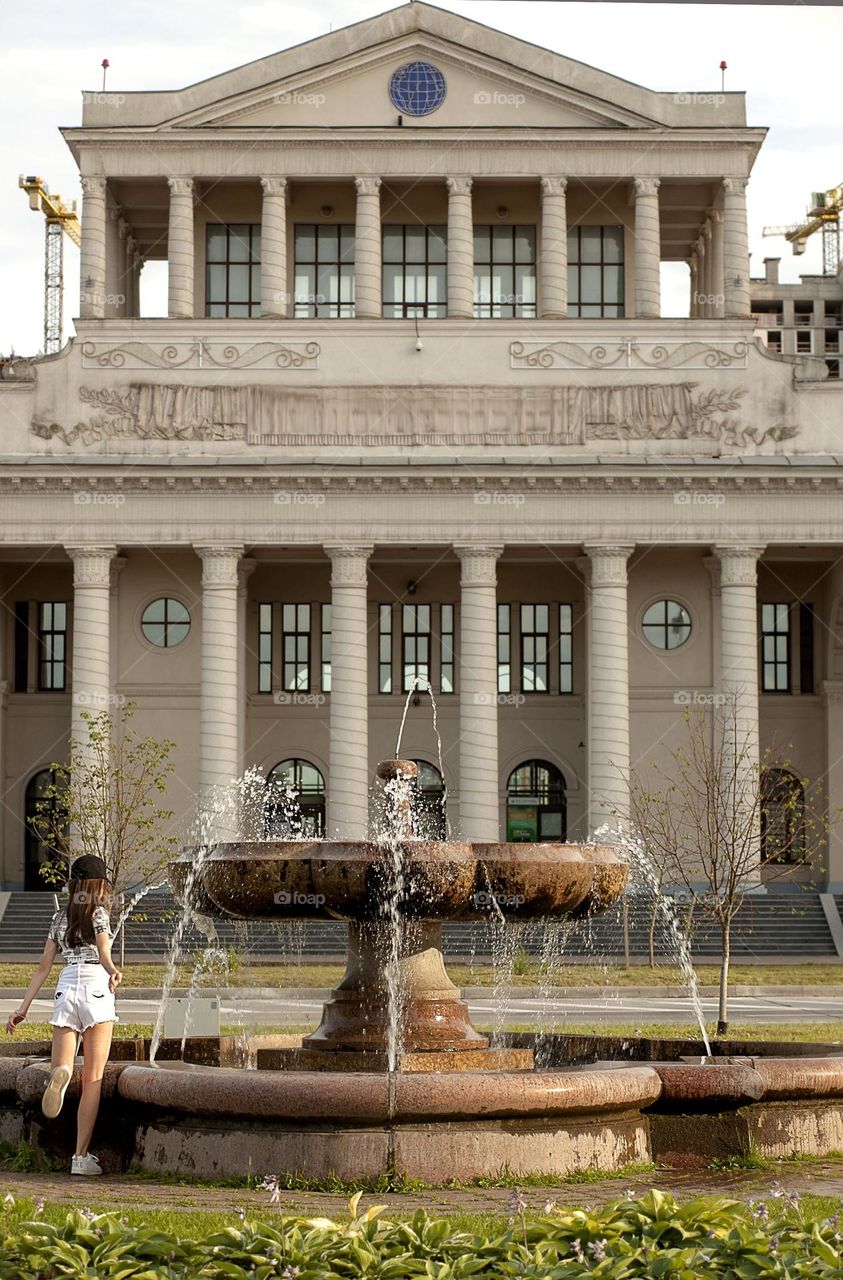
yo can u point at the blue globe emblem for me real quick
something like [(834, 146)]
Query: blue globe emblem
[(417, 88)]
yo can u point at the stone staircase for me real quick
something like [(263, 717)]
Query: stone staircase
[(786, 925)]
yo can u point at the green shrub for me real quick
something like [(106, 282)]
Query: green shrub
[(653, 1236)]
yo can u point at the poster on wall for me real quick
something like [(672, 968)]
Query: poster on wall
[(522, 823)]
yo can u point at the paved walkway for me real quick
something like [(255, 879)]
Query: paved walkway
[(118, 1192)]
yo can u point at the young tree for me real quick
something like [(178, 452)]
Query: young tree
[(108, 800), (718, 816)]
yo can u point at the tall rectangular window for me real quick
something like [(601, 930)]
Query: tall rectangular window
[(52, 645), (326, 647), (415, 273), (415, 625), (566, 648), (233, 269), (504, 272), (806, 648), (595, 271), (446, 648), (504, 649), (264, 648), (775, 648), (324, 270), (296, 634), (385, 648), (535, 636)]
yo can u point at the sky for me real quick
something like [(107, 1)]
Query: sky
[(786, 58)]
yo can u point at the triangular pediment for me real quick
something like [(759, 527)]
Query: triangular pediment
[(342, 80)]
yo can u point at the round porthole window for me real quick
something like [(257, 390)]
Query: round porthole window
[(165, 622), (417, 88), (666, 624)]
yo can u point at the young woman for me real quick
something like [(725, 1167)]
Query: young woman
[(84, 999)]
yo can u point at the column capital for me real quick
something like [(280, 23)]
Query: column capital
[(554, 186), (180, 186), (479, 564), (91, 565), (367, 185), (832, 693), (738, 565), (734, 186), (93, 186), (459, 185), (274, 186), (220, 563), (607, 563), (646, 186), (348, 563)]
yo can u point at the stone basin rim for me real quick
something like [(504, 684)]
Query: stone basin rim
[(480, 851)]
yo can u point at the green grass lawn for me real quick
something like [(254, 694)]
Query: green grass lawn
[(805, 1032), (479, 975)]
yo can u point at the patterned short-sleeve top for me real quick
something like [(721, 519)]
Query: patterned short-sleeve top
[(83, 952)]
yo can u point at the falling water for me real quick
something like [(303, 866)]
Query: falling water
[(632, 848)]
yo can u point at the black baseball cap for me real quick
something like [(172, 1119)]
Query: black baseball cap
[(89, 867)]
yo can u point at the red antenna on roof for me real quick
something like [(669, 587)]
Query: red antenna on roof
[(105, 65), (722, 76)]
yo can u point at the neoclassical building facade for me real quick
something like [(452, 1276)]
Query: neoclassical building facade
[(414, 416)]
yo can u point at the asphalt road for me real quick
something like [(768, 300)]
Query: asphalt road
[(522, 1010)]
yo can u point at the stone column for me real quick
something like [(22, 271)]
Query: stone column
[(219, 704), (717, 263), (647, 247), (368, 285), (93, 251), (708, 281), (180, 249), (608, 685), (554, 249), (694, 267), (460, 249), (479, 789), (247, 568), (114, 252), (91, 656), (274, 291), (832, 696), (348, 783), (739, 661), (735, 248)]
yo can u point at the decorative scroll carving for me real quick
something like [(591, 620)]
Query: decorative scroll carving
[(629, 354), (201, 355), (266, 415)]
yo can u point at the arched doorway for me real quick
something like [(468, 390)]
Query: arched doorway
[(282, 816), (36, 851), (429, 809), (782, 817), (536, 805)]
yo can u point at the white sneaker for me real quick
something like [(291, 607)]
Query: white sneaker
[(86, 1166), (54, 1093)]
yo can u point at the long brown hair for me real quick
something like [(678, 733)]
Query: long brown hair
[(85, 897)]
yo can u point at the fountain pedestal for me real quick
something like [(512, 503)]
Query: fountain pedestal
[(395, 991)]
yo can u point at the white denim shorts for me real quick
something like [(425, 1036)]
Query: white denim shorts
[(82, 998)]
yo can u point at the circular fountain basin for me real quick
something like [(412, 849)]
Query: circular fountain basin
[(438, 880)]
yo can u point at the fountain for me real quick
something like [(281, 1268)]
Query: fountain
[(395, 1081)]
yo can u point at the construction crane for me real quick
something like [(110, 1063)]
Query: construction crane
[(823, 214), (61, 220)]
